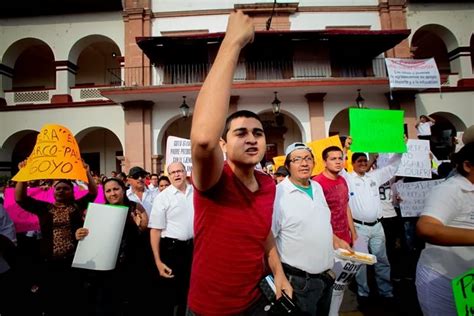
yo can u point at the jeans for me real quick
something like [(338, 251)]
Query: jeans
[(374, 238), (312, 295)]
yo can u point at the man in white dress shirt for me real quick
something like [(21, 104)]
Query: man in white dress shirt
[(171, 234), (138, 191)]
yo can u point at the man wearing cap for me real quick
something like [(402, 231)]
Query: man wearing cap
[(171, 223), (233, 202), (138, 191), (364, 201), (303, 233)]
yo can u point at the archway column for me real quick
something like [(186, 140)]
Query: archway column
[(6, 75), (65, 78), (138, 147), (316, 115), (405, 100), (460, 62)]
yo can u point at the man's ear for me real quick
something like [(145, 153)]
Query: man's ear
[(223, 145)]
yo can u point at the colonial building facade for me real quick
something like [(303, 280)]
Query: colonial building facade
[(117, 77)]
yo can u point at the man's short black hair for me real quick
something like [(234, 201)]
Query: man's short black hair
[(328, 150), (356, 156), (154, 175), (233, 116)]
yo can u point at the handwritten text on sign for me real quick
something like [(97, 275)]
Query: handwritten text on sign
[(413, 195), (179, 150), (463, 288), (55, 156), (416, 162)]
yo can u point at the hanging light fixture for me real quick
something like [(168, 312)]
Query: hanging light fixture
[(184, 108), (359, 100), (276, 104)]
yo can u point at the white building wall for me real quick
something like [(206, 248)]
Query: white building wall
[(62, 32), (75, 119), (457, 18), (460, 104), (188, 5), (321, 20)]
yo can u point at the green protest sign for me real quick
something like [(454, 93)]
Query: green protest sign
[(463, 288), (377, 131)]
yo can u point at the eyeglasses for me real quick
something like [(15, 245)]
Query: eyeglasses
[(176, 172), (299, 160)]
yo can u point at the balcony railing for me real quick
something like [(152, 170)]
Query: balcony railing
[(250, 70)]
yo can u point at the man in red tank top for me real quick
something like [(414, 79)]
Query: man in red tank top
[(233, 202)]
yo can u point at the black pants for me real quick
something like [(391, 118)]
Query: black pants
[(177, 255)]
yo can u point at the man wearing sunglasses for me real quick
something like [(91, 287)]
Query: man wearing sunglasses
[(138, 191)]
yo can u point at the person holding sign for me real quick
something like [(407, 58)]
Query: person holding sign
[(447, 225), (233, 202), (364, 201), (124, 283), (423, 127), (58, 223)]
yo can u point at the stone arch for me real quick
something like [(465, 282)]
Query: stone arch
[(447, 127), (32, 63), (17, 147), (340, 123), (175, 126), (97, 58), (436, 41), (100, 148)]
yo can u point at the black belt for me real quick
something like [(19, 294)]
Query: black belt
[(300, 273), (365, 223), (178, 242)]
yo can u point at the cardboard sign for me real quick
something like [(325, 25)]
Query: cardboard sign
[(278, 162), (100, 248), (55, 156), (463, 288), (179, 150), (377, 131), (413, 196), (413, 73), (318, 147), (416, 162)]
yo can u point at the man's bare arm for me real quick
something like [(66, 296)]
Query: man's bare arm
[(212, 104)]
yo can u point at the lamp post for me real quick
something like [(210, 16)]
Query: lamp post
[(276, 104), (359, 100), (184, 108)]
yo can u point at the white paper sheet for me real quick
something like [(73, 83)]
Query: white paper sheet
[(99, 249)]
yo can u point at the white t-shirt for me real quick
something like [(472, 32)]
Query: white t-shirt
[(302, 228), (364, 198), (173, 213), (386, 200), (452, 203), (424, 129)]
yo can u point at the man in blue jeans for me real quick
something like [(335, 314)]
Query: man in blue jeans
[(364, 201), (303, 233)]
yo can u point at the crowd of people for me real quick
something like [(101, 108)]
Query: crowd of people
[(201, 244)]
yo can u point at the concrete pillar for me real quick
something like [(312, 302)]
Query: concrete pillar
[(65, 78), (316, 115), (460, 62), (405, 100), (393, 17), (6, 75), (138, 146)]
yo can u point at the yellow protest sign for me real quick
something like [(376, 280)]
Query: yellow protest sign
[(318, 146), (55, 156), (278, 162)]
